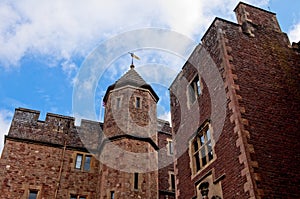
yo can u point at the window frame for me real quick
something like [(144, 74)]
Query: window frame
[(135, 181), (172, 181), (138, 102), (170, 146), (33, 190), (202, 141), (194, 89), (83, 162)]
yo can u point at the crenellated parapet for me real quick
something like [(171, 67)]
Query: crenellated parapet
[(55, 130)]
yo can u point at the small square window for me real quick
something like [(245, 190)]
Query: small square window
[(73, 196), (33, 194), (83, 162)]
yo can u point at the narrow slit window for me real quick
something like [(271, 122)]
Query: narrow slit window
[(136, 180), (112, 195), (171, 147), (78, 161), (172, 182), (87, 163), (137, 102), (118, 102), (194, 89)]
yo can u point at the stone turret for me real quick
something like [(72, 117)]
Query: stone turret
[(130, 145)]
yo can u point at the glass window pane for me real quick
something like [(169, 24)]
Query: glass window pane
[(33, 194), (203, 157), (210, 152), (87, 163), (198, 87), (202, 140), (170, 147), (78, 161), (196, 146), (208, 134), (197, 161), (138, 102), (112, 195)]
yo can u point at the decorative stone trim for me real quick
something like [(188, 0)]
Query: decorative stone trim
[(246, 149)]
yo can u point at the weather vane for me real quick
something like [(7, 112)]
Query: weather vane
[(133, 56)]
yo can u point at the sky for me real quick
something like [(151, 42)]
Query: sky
[(45, 44)]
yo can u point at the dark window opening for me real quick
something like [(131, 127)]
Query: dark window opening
[(194, 89), (171, 147), (136, 180), (33, 194), (137, 102), (87, 163), (112, 195), (173, 182), (202, 149)]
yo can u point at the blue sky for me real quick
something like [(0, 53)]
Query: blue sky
[(44, 44)]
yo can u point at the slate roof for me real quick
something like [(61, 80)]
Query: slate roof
[(131, 78)]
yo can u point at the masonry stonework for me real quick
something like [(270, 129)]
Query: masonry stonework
[(235, 112)]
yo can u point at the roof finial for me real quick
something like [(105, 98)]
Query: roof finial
[(133, 56)]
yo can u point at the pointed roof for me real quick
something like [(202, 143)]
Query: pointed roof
[(130, 78)]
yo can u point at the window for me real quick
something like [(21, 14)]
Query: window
[(137, 102), (112, 195), (118, 102), (194, 89), (170, 147), (202, 150), (83, 162), (78, 161), (136, 181), (33, 194), (172, 176), (76, 196)]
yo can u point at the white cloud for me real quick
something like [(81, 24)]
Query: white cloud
[(294, 33), (5, 120), (165, 116), (64, 29)]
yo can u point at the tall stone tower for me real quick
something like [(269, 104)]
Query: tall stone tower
[(129, 149)]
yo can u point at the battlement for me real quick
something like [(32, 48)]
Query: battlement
[(246, 14), (58, 129)]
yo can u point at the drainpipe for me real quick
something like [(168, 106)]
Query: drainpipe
[(60, 170)]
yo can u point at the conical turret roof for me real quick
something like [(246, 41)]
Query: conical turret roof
[(130, 78)]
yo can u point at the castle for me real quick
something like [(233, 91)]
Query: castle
[(235, 109)]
